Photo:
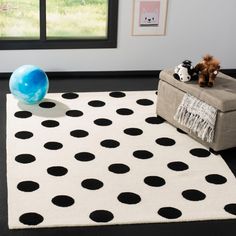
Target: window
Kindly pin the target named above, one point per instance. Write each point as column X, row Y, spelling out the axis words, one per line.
column 51, row 24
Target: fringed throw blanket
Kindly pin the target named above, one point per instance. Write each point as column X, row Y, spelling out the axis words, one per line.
column 198, row 116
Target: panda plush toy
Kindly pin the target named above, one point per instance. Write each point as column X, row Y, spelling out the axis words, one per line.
column 185, row 72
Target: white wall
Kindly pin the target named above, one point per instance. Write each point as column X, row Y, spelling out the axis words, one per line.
column 194, row 27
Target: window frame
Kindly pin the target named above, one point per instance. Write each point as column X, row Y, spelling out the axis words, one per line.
column 43, row 43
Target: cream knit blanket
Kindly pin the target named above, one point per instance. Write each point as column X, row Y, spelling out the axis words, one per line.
column 198, row 116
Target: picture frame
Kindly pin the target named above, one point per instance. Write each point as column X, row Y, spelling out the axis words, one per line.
column 149, row 17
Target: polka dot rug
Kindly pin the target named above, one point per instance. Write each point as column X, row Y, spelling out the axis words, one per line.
column 84, row 159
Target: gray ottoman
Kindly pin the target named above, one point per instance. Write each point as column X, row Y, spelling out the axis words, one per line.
column 222, row 96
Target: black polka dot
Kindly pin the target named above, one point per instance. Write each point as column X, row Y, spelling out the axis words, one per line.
column 24, row 135
column 142, row 154
column 96, row 103
column 63, row 201
column 92, row 184
column 25, row 158
column 101, row 216
column 23, row 114
column 200, row 152
column 79, row 133
column 119, row 168
column 31, row 218
column 84, row 156
column 154, row 181
column 50, row 123
column 181, row 131
column 53, row 145
column 70, row 95
column 133, row 131
column 110, row 143
column 124, row 111
column 47, row 104
column 57, row 170
column 102, row 122
column 117, row 94
column 74, row 113
column 231, row 208
column 165, row 141
column 28, row 186
column 193, row 195
column 144, row 102
column 215, row 179
column 177, row 166
column 155, row 120
column 169, row 212
column 129, row 198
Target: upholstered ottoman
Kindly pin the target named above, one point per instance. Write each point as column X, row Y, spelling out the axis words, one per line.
column 222, row 97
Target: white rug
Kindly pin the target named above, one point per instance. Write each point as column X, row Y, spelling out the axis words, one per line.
column 102, row 158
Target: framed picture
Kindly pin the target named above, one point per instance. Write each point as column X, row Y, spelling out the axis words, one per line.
column 149, row 17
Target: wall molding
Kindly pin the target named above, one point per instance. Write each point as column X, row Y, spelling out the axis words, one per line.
column 107, row 74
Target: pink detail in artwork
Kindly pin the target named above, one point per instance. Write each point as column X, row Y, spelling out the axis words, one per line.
column 149, row 13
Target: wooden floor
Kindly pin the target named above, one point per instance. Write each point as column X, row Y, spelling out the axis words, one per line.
column 227, row 227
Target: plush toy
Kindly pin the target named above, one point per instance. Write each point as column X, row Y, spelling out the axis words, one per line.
column 208, row 68
column 185, row 71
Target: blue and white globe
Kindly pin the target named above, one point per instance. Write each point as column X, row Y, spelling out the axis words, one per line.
column 29, row 84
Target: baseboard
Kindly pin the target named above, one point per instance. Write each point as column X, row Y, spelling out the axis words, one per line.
column 108, row 74
column 94, row 74
column 104, row 74
column 230, row 72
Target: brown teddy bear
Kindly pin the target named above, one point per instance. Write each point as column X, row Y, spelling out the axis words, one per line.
column 208, row 68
